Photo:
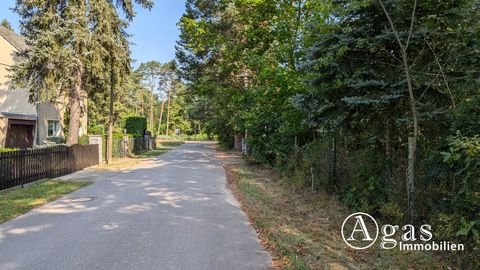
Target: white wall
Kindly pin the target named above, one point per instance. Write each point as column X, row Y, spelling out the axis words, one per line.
column 47, row 112
column 11, row 100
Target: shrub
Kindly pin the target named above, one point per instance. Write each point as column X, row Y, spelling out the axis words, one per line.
column 96, row 130
column 464, row 157
column 2, row 150
column 118, row 135
column 136, row 125
column 83, row 140
column 54, row 140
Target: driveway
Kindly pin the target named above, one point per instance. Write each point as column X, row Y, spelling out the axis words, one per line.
column 170, row 212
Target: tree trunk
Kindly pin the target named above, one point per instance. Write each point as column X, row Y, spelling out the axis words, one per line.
column 388, row 139
column 161, row 116
column 297, row 24
column 388, row 151
column 411, row 179
column 110, row 114
column 412, row 141
column 168, row 111
column 76, row 110
column 151, row 111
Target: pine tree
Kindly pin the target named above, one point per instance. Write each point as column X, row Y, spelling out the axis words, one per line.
column 150, row 72
column 74, row 46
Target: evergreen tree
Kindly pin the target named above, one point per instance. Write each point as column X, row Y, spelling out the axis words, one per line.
column 320, row 85
column 150, row 73
column 72, row 44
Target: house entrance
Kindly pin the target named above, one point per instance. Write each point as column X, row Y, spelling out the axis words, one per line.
column 20, row 134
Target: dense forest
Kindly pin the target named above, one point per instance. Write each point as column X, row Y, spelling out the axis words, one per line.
column 375, row 102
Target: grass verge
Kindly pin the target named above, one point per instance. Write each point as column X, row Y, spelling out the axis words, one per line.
column 16, row 202
column 301, row 229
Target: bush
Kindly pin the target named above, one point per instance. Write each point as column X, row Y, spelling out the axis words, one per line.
column 199, row 137
column 464, row 157
column 118, row 135
column 54, row 140
column 83, row 140
column 2, row 150
column 314, row 156
column 136, row 125
column 96, row 130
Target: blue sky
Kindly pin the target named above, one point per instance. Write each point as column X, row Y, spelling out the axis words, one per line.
column 154, row 32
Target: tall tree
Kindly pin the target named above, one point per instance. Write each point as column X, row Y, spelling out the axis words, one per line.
column 412, row 141
column 63, row 39
column 150, row 72
column 167, row 80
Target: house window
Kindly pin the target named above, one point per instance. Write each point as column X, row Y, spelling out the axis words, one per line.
column 53, row 128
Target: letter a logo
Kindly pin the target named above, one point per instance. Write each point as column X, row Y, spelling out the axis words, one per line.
column 363, row 229
column 363, row 224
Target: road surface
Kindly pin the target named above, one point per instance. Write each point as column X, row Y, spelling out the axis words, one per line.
column 170, row 212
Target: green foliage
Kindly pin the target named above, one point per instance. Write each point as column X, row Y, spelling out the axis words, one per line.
column 136, row 126
column 363, row 195
column 34, row 196
column 55, row 140
column 96, row 130
column 5, row 23
column 2, row 150
column 119, row 135
column 311, row 71
column 464, row 157
column 150, row 74
column 83, row 140
column 74, row 46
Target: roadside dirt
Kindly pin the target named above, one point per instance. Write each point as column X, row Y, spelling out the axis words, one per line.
column 301, row 229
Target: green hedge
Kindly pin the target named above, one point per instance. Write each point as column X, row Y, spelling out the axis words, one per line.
column 96, row 130
column 8, row 149
column 136, row 125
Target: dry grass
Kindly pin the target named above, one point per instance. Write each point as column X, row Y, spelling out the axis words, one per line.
column 119, row 164
column 302, row 229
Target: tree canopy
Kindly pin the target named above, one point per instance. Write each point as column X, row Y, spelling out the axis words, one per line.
column 75, row 48
column 297, row 79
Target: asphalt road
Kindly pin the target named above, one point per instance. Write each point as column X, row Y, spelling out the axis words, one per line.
column 172, row 212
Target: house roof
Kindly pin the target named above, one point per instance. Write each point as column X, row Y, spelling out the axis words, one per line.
column 20, row 116
column 13, row 38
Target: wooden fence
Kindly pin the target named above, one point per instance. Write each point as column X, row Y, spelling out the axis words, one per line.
column 25, row 166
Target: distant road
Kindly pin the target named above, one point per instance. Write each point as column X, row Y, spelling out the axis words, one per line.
column 172, row 212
